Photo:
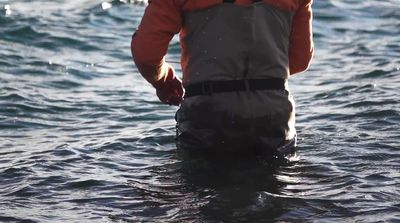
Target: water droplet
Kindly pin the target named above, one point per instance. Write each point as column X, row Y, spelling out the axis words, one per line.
column 7, row 9
column 106, row 5
column 50, row 62
column 137, row 2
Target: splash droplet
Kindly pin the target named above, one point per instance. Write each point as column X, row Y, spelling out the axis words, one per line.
column 136, row 2
column 106, row 5
column 7, row 9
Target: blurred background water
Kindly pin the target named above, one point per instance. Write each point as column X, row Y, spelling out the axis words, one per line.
column 83, row 137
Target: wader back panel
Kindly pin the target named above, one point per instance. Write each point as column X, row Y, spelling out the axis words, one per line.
column 230, row 42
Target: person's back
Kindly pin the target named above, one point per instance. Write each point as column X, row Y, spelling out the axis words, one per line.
column 236, row 59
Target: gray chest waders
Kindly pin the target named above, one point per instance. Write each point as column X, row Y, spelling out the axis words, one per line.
column 237, row 98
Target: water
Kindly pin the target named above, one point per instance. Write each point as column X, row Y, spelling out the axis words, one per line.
column 84, row 139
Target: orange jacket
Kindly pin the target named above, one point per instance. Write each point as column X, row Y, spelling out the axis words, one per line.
column 164, row 18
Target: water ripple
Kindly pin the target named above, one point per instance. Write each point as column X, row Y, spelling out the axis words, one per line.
column 84, row 139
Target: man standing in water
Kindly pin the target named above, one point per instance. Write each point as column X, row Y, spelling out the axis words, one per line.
column 236, row 59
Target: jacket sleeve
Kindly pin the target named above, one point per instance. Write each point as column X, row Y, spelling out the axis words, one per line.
column 301, row 47
column 161, row 21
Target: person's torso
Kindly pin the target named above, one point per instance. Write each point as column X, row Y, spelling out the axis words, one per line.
column 235, row 42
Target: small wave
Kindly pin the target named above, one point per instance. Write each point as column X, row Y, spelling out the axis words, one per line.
column 63, row 84
column 336, row 93
column 16, row 219
column 375, row 157
column 29, row 34
column 12, row 97
column 362, row 115
column 24, row 191
column 371, row 103
column 63, row 151
column 83, row 184
column 387, row 114
column 5, row 64
column 21, row 124
column 82, row 74
column 8, row 58
column 23, row 34
column 57, row 42
column 16, row 172
column 378, row 177
column 374, row 74
column 326, row 11
column 20, row 109
column 57, row 109
column 114, row 146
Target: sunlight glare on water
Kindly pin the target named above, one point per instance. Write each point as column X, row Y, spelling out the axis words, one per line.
column 106, row 5
column 7, row 9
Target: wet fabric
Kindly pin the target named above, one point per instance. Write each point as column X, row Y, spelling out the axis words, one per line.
column 239, row 122
column 231, row 42
column 226, row 43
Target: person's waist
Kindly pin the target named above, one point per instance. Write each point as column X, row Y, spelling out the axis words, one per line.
column 220, row 86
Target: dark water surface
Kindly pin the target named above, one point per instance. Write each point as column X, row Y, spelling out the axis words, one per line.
column 84, row 139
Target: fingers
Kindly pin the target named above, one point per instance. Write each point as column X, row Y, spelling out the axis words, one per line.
column 175, row 101
column 170, row 97
column 179, row 90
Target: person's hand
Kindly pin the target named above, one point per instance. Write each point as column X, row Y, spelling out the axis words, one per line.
column 169, row 88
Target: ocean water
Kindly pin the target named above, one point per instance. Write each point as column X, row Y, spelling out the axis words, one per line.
column 83, row 137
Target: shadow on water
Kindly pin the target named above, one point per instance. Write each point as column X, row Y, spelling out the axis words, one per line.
column 212, row 189
column 233, row 187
